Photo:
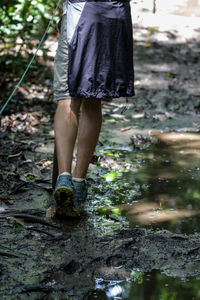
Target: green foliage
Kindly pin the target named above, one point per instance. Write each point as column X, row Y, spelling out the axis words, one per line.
column 31, row 177
column 22, row 24
column 19, row 228
column 24, row 19
column 137, row 276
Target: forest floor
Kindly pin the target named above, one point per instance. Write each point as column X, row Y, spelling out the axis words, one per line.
column 142, row 222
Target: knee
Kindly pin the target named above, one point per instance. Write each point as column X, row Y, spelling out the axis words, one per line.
column 69, row 105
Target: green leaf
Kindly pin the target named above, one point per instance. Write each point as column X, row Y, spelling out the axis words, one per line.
column 19, row 228
column 30, row 176
column 110, row 154
column 112, row 175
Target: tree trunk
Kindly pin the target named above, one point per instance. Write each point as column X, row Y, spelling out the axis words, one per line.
column 154, row 6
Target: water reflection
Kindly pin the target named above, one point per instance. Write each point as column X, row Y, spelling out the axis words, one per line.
column 151, row 213
column 112, row 289
column 150, row 286
column 164, row 191
column 173, row 178
column 161, row 190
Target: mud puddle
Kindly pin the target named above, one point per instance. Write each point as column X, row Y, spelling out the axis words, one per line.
column 158, row 190
column 150, row 286
column 160, row 186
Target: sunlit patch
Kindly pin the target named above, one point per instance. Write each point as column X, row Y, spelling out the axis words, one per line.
column 186, row 145
column 138, row 116
column 148, row 213
column 113, row 288
column 175, row 137
column 180, row 144
column 114, row 291
column 112, row 175
column 139, row 208
column 165, row 215
column 2, row 209
column 189, row 152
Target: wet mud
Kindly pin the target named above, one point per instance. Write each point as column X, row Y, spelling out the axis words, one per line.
column 142, row 220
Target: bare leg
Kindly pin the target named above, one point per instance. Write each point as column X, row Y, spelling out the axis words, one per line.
column 88, row 133
column 66, row 127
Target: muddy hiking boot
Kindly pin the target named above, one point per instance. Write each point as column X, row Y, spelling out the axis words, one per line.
column 64, row 196
column 80, row 193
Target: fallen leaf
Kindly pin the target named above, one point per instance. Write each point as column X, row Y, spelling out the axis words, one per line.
column 50, row 212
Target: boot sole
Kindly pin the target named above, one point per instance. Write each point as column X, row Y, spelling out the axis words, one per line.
column 65, row 203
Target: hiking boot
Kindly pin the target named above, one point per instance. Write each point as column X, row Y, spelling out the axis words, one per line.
column 80, row 193
column 64, row 196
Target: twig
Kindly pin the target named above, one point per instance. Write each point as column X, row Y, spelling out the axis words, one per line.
column 36, row 288
column 27, row 217
column 18, row 187
column 56, row 236
column 8, row 254
column 17, row 221
column 2, row 246
column 40, row 288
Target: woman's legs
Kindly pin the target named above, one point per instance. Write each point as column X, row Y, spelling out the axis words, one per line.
column 66, row 128
column 70, row 196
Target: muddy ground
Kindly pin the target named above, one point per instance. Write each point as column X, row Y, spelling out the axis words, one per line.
column 45, row 258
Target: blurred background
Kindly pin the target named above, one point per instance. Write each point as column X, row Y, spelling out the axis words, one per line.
column 22, row 23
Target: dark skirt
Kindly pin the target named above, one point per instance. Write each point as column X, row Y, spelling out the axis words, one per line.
column 101, row 51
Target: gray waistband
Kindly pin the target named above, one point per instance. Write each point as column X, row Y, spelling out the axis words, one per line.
column 76, row 1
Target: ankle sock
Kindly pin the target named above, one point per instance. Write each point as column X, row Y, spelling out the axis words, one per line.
column 65, row 173
column 78, row 179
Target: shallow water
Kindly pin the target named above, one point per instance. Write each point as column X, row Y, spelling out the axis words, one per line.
column 150, row 286
column 159, row 190
column 163, row 190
